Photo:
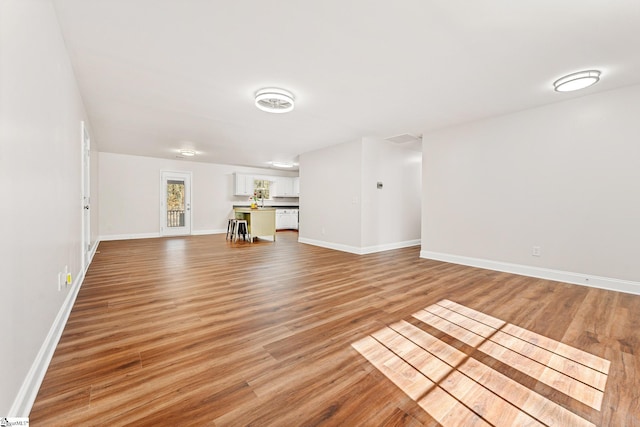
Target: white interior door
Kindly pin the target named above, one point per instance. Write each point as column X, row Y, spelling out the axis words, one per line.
column 86, row 196
column 175, row 206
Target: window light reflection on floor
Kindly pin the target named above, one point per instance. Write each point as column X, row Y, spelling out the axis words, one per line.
column 456, row 389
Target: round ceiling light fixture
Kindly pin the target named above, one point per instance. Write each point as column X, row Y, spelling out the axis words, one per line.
column 281, row 165
column 577, row 81
column 274, row 100
column 188, row 153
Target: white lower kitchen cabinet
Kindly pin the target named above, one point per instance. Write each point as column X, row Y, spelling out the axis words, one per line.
column 287, row 219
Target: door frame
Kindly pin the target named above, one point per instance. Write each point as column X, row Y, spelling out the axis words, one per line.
column 188, row 217
column 85, row 205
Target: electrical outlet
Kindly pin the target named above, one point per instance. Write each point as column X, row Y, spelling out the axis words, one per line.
column 536, row 251
column 68, row 279
column 59, row 281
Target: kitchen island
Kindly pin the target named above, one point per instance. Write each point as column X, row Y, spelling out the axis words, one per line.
column 261, row 222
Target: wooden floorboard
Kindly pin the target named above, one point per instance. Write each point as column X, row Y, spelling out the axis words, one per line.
column 201, row 331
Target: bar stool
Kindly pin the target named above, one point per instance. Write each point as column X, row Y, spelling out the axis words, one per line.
column 241, row 228
column 231, row 228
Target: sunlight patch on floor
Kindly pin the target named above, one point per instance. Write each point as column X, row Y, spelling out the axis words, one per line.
column 456, row 389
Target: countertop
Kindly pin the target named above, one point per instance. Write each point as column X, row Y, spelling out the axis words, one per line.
column 249, row 209
column 269, row 206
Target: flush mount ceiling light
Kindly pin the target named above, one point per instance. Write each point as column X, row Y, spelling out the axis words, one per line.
column 281, row 165
column 404, row 138
column 576, row 81
column 274, row 100
column 188, row 153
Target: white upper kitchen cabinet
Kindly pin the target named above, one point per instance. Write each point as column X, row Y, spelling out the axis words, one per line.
column 296, row 186
column 283, row 187
column 243, row 185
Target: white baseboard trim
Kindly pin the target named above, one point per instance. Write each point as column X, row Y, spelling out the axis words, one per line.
column 390, row 246
column 608, row 283
column 204, row 232
column 356, row 250
column 329, row 245
column 92, row 253
column 156, row 235
column 129, row 236
column 23, row 402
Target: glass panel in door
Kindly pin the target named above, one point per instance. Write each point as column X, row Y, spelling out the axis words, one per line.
column 175, row 203
column 175, row 214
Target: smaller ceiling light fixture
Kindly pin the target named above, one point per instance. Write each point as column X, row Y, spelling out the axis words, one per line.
column 577, row 81
column 188, row 153
column 274, row 100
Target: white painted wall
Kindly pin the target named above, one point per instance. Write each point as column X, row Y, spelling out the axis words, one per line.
column 40, row 168
column 392, row 214
column 341, row 207
column 564, row 177
column 330, row 187
column 130, row 194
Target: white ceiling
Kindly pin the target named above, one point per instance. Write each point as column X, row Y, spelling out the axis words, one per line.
column 160, row 75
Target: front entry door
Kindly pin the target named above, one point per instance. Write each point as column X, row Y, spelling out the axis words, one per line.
column 175, row 207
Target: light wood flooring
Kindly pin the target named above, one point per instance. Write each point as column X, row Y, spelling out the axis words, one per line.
column 201, row 331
